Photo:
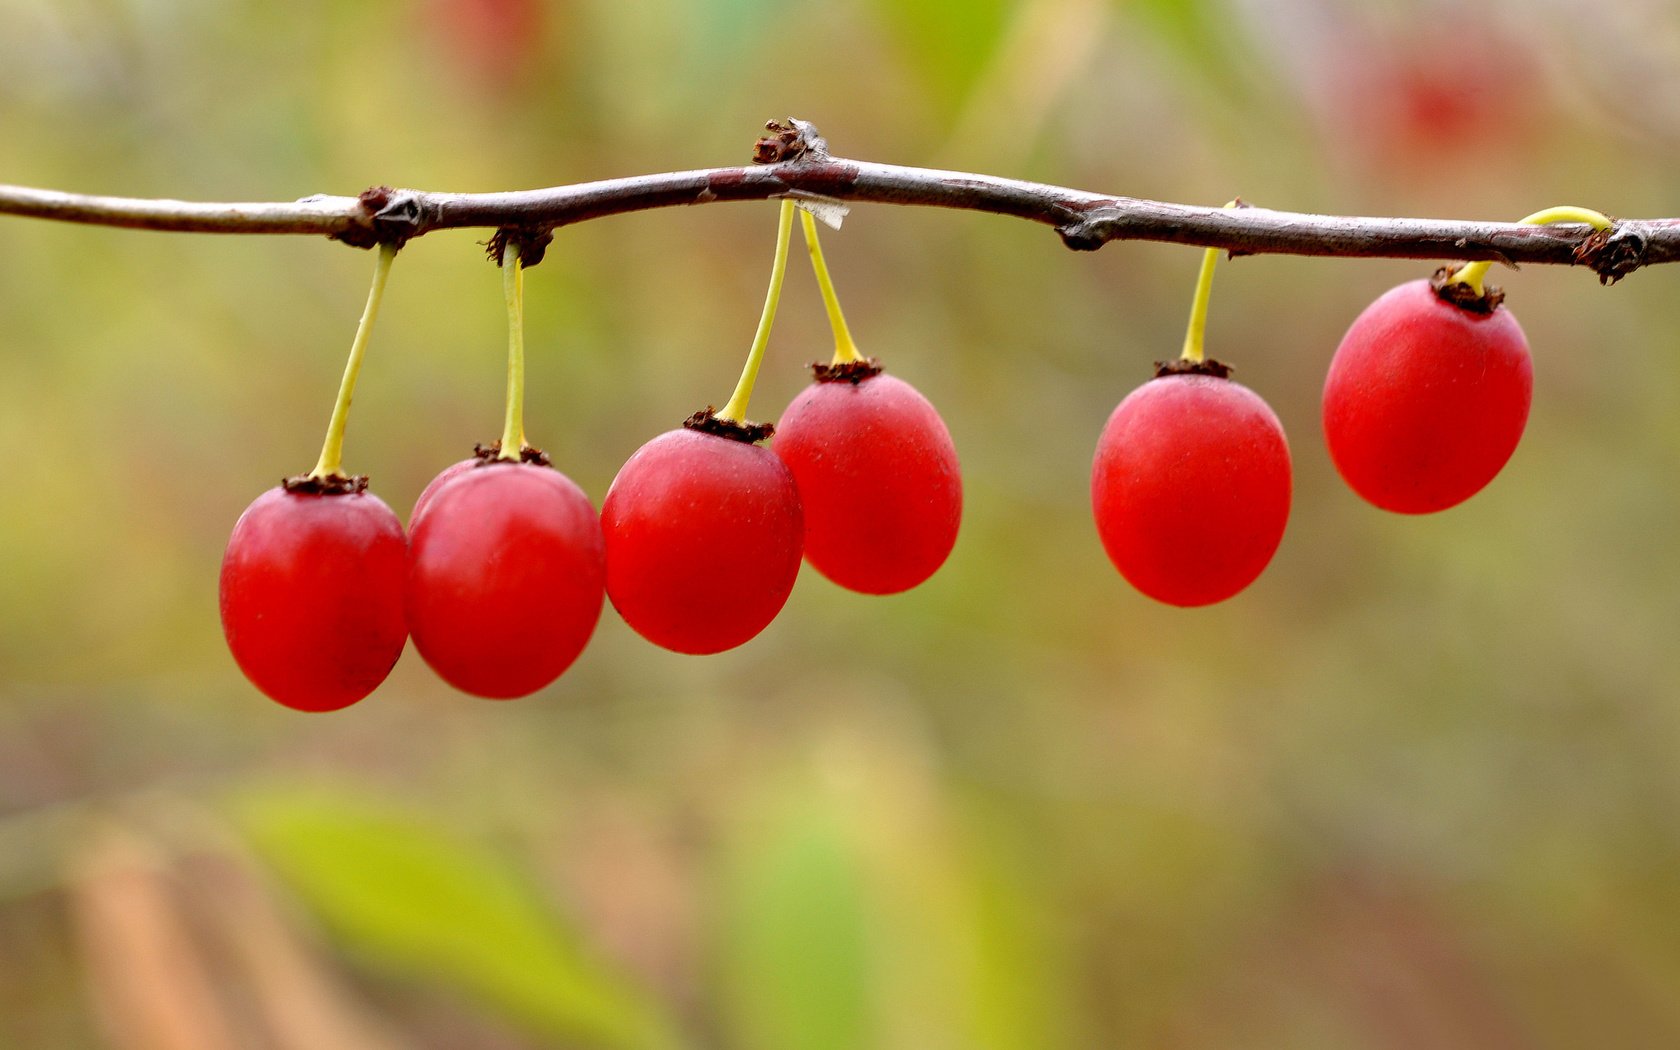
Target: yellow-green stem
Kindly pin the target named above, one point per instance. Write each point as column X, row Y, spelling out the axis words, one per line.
column 1194, row 334
column 331, row 463
column 1474, row 274
column 736, row 410
column 513, row 293
column 845, row 349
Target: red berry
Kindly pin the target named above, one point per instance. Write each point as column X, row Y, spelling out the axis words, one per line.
column 505, row 577
column 1426, row 400
column 878, row 481
column 1191, row 488
column 703, row 540
column 445, row 476
column 311, row 596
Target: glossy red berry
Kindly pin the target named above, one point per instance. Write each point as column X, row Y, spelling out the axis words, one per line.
column 878, row 480
column 444, row 477
column 505, row 577
column 1426, row 400
column 311, row 596
column 703, row 538
column 1191, row 488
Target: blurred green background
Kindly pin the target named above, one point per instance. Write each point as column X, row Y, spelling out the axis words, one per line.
column 1415, row 788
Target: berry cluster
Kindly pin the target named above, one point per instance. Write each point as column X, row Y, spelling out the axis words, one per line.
column 503, row 572
column 505, row 566
column 1425, row 401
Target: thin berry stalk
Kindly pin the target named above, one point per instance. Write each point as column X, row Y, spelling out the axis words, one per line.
column 513, row 294
column 331, row 463
column 736, row 409
column 845, row 349
column 1475, row 273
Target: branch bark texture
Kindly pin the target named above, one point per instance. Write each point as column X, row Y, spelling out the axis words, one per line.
column 798, row 164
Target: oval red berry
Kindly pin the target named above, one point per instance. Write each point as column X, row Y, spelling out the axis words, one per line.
column 505, row 578
column 1191, row 488
column 444, row 477
column 878, row 482
column 703, row 538
column 1426, row 400
column 311, row 596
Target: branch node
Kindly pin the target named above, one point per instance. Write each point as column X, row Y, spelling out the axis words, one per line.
column 1085, row 235
column 1237, row 253
column 1613, row 253
column 387, row 216
column 795, row 140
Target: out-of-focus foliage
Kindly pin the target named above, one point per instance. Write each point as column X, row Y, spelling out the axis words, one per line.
column 1416, row 787
column 410, row 900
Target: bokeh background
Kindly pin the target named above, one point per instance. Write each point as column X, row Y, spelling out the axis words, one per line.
column 1416, row 787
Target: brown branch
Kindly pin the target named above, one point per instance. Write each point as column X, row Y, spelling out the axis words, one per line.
column 799, row 165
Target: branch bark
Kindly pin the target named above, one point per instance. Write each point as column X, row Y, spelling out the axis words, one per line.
column 799, row 166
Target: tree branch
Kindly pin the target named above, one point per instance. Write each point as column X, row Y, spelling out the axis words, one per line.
column 799, row 165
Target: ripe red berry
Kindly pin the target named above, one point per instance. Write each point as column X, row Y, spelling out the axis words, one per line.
column 311, row 596
column 1191, row 488
column 878, row 479
column 444, row 477
column 1426, row 400
column 703, row 540
column 505, row 577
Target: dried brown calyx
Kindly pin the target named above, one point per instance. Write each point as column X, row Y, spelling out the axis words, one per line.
column 1183, row 367
column 853, row 372
column 492, row 453
column 331, row 485
column 532, row 243
column 1462, row 295
column 707, row 422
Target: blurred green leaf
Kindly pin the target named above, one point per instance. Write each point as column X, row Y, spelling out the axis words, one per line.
column 962, row 949
column 797, row 940
column 419, row 903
